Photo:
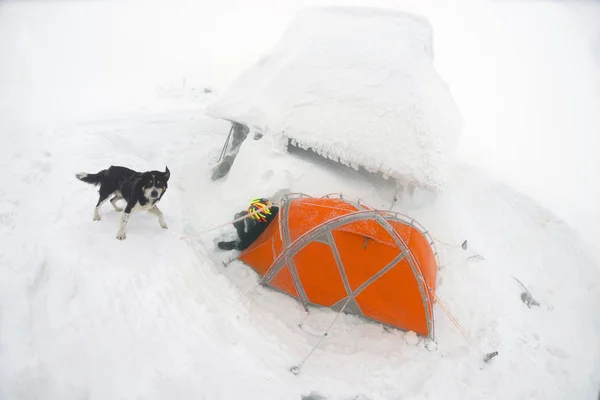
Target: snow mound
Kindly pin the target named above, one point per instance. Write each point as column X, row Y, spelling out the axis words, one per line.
column 357, row 86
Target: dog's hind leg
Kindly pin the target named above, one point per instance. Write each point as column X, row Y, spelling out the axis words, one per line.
column 161, row 218
column 101, row 200
column 114, row 200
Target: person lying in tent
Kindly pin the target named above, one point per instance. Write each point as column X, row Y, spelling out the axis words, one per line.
column 262, row 212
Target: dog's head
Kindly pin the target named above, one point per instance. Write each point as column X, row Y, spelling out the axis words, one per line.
column 154, row 184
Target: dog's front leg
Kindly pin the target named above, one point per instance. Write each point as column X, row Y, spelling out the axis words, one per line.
column 161, row 218
column 121, row 235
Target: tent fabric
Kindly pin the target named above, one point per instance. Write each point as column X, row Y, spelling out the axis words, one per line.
column 346, row 255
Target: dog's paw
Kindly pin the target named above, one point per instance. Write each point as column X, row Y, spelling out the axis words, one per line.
column 118, row 209
column 164, row 225
column 121, row 236
column 96, row 218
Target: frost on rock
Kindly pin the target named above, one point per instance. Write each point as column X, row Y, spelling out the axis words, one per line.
column 237, row 135
column 357, row 86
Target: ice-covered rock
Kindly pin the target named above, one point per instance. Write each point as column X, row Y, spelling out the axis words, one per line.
column 357, row 86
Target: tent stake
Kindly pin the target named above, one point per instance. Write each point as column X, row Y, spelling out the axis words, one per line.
column 489, row 356
column 394, row 200
column 296, row 368
column 226, row 264
column 486, row 357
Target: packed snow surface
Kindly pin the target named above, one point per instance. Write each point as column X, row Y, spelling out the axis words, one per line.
column 357, row 86
column 87, row 316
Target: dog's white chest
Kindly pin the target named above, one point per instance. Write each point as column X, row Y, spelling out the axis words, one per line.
column 138, row 207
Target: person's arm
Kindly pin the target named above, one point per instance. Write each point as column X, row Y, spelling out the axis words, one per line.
column 240, row 226
column 249, row 237
column 254, row 232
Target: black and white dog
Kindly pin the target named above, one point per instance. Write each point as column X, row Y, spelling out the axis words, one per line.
column 141, row 191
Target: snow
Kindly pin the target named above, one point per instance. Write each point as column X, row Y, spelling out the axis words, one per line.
column 158, row 316
column 83, row 315
column 411, row 338
column 337, row 84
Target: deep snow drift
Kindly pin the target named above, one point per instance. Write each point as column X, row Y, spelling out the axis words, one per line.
column 357, row 86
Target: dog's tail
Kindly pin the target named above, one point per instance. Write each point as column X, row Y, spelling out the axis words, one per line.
column 93, row 179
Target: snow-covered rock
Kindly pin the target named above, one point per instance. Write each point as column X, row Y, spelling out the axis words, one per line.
column 357, row 86
column 411, row 338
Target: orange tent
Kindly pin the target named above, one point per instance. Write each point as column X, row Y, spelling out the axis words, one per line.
column 348, row 256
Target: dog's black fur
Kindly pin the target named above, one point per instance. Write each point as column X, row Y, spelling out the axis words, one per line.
column 141, row 191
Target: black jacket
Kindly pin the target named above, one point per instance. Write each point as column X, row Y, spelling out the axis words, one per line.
column 249, row 230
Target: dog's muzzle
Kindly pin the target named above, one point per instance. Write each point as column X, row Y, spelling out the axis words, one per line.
column 154, row 193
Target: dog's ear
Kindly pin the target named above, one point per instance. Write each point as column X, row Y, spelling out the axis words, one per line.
column 167, row 173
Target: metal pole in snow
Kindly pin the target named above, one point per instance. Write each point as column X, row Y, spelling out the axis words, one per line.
column 296, row 368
